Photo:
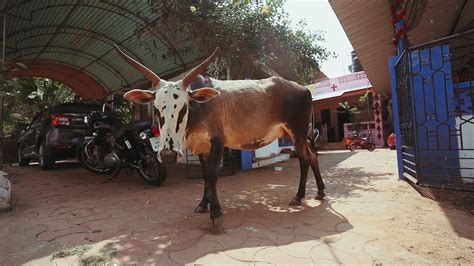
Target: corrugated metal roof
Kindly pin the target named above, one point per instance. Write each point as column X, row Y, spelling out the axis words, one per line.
column 438, row 20
column 368, row 25
column 80, row 34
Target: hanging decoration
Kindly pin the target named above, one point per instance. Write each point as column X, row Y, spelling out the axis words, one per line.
column 399, row 13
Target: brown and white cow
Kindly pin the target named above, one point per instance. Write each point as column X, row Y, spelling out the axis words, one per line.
column 238, row 114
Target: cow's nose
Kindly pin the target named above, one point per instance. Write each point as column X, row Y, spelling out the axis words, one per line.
column 168, row 156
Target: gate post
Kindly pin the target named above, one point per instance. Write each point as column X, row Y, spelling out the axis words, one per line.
column 396, row 119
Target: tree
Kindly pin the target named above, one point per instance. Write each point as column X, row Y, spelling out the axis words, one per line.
column 25, row 97
column 253, row 36
column 365, row 102
column 352, row 111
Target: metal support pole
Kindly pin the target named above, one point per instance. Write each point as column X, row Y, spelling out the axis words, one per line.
column 4, row 41
column 2, row 92
column 396, row 117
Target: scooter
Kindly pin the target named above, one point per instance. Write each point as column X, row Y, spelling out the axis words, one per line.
column 363, row 142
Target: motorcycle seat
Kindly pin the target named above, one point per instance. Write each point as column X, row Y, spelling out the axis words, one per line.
column 138, row 125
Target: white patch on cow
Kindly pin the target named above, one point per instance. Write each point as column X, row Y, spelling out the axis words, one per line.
column 170, row 99
column 237, row 84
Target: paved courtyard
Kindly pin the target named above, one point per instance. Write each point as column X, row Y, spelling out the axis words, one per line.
column 67, row 216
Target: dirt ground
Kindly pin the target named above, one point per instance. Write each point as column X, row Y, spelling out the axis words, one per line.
column 67, row 216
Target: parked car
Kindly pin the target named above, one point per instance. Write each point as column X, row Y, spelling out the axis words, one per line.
column 54, row 134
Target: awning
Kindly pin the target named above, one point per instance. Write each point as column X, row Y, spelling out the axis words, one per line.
column 368, row 25
column 339, row 86
column 356, row 91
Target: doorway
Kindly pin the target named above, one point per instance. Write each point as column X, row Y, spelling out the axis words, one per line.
column 342, row 117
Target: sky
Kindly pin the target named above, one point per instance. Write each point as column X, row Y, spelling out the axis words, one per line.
column 319, row 15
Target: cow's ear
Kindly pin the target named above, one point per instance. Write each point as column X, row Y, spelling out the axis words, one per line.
column 140, row 96
column 203, row 95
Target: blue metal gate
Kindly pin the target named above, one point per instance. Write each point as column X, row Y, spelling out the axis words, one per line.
column 435, row 95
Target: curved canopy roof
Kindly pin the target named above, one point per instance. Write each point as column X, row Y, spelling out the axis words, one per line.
column 72, row 41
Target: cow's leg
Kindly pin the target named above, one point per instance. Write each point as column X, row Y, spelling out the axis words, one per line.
column 307, row 155
column 304, row 167
column 302, row 152
column 202, row 207
column 215, row 157
column 317, row 174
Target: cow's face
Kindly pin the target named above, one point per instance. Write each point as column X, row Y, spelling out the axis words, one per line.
column 171, row 102
column 171, row 106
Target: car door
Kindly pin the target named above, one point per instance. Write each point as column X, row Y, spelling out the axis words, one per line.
column 30, row 136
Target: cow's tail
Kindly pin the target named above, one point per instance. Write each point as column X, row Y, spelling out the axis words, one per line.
column 311, row 136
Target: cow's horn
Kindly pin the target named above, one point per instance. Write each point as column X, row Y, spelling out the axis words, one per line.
column 199, row 69
column 143, row 69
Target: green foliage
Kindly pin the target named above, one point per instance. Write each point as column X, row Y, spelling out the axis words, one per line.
column 120, row 106
column 366, row 100
column 252, row 36
column 352, row 111
column 25, row 97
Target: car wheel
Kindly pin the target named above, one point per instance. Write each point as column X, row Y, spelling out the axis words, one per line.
column 22, row 161
column 45, row 161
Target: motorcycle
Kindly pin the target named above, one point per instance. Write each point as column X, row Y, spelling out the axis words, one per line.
column 363, row 142
column 314, row 135
column 317, row 140
column 115, row 145
column 348, row 141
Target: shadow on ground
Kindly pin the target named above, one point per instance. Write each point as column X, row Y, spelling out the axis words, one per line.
column 136, row 223
column 451, row 201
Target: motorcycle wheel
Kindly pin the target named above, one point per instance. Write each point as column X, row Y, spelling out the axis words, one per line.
column 151, row 170
column 90, row 163
column 352, row 147
column 371, row 147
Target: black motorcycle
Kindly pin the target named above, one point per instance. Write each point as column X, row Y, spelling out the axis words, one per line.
column 115, row 145
column 314, row 135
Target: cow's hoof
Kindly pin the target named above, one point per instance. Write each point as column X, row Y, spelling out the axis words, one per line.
column 320, row 196
column 200, row 209
column 217, row 224
column 295, row 202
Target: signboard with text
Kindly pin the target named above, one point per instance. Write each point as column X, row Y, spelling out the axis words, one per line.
column 338, row 86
